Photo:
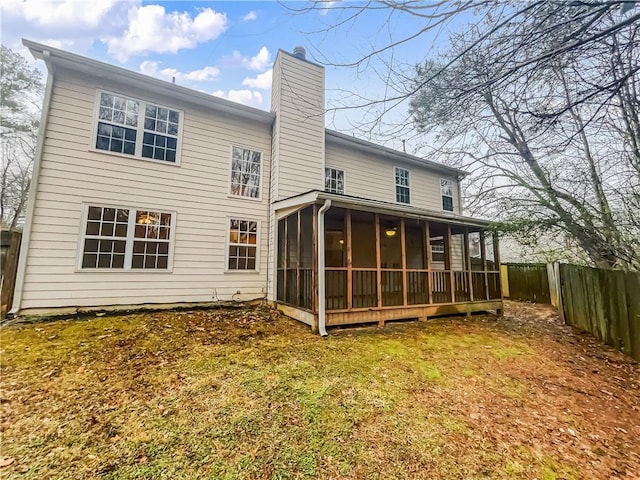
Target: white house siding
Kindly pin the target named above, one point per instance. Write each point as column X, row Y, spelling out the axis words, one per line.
column 298, row 134
column 197, row 191
column 373, row 177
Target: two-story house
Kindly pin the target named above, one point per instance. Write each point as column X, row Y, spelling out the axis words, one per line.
column 147, row 193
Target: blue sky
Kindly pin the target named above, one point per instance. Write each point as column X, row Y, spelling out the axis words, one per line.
column 223, row 48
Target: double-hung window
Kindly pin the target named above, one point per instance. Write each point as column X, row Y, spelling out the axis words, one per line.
column 246, row 172
column 126, row 239
column 243, row 245
column 334, row 180
column 402, row 185
column 137, row 128
column 446, row 190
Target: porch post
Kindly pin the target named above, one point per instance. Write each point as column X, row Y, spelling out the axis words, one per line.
column 448, row 263
column 315, row 264
column 496, row 257
column 347, row 219
column 285, row 258
column 483, row 256
column 427, row 234
column 299, row 260
column 404, row 262
column 378, row 262
column 467, row 262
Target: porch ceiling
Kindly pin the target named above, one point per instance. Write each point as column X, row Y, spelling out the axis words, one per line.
column 377, row 206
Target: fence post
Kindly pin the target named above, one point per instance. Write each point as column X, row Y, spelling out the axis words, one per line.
column 504, row 280
column 558, row 282
column 9, row 273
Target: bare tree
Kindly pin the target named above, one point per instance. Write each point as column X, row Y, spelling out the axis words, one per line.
column 545, row 160
column 560, row 25
column 20, row 102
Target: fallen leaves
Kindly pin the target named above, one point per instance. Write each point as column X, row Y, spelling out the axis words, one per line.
column 247, row 393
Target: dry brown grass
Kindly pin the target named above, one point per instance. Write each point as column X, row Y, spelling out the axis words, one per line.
column 235, row 394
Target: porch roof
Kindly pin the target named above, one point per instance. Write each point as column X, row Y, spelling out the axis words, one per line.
column 377, row 206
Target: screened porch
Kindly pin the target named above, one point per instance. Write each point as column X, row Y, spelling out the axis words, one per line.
column 383, row 266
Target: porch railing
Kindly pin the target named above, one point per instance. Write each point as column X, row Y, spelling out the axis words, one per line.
column 424, row 287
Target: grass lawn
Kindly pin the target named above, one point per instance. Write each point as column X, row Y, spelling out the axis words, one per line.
column 249, row 394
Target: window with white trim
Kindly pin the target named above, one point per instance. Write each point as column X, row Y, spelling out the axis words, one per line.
column 243, row 244
column 437, row 251
column 126, row 239
column 334, row 180
column 446, row 190
column 246, row 172
column 141, row 129
column 402, row 185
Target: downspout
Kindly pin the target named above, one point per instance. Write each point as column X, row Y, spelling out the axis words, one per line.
column 35, row 176
column 459, row 181
column 322, row 330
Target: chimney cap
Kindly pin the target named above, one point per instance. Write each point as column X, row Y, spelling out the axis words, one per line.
column 300, row 52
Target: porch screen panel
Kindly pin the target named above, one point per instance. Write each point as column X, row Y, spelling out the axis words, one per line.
column 391, row 261
column 335, row 238
column 363, row 240
column 335, row 259
column 390, row 243
column 363, row 255
column 291, row 275
column 415, row 247
column 305, row 276
column 462, row 287
column 282, row 242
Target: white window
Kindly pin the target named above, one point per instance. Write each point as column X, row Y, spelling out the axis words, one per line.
column 334, row 180
column 126, row 239
column 402, row 185
column 141, row 129
column 437, row 251
column 243, row 245
column 446, row 190
column 246, row 172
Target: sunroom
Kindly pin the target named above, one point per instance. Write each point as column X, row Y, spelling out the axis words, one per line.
column 347, row 260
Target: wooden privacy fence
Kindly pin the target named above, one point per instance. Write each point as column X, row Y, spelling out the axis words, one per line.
column 603, row 302
column 10, row 250
column 528, row 282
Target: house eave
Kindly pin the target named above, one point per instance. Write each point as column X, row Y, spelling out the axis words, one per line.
column 365, row 204
column 60, row 58
column 372, row 148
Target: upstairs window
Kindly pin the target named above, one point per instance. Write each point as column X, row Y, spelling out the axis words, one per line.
column 141, row 129
column 402, row 185
column 334, row 180
column 126, row 239
column 446, row 190
column 246, row 172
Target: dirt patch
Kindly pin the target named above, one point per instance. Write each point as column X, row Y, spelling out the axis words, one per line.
column 250, row 394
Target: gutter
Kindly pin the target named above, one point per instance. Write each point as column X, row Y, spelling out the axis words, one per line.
column 322, row 329
column 33, row 188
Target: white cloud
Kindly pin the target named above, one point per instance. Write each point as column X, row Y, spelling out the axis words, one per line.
column 262, row 80
column 246, row 97
column 249, row 16
column 60, row 14
column 205, row 74
column 70, row 24
column 259, row 62
column 152, row 29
